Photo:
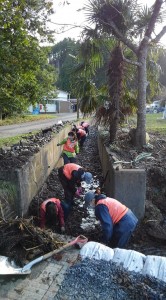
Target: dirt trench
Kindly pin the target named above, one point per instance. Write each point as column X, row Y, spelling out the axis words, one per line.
column 150, row 235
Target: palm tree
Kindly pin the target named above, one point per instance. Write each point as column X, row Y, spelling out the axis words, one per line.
column 126, row 21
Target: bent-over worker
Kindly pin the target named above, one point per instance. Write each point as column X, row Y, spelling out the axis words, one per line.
column 85, row 126
column 117, row 221
column 81, row 135
column 52, row 214
column 70, row 176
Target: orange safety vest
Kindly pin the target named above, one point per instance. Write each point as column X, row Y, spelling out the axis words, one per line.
column 116, row 209
column 54, row 200
column 85, row 124
column 82, row 132
column 69, row 168
column 80, row 127
column 69, row 146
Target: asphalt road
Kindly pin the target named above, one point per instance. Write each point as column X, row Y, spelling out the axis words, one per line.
column 16, row 129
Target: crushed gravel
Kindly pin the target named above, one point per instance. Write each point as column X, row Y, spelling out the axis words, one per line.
column 93, row 279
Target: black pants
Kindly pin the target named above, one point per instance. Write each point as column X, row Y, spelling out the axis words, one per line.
column 69, row 191
column 87, row 130
column 82, row 140
column 68, row 160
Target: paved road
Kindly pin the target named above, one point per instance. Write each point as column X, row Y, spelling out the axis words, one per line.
column 13, row 130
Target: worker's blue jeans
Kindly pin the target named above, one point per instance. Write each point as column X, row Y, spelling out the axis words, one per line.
column 122, row 231
column 66, row 209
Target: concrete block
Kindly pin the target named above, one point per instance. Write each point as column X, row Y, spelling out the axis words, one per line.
column 26, row 181
column 126, row 185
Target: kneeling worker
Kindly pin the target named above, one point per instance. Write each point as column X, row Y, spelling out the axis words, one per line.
column 52, row 214
column 117, row 221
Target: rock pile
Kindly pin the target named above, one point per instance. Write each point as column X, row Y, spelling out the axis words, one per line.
column 93, row 279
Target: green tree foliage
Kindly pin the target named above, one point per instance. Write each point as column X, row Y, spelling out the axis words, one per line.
column 25, row 73
column 64, row 59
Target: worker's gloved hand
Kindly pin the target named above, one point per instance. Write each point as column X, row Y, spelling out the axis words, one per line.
column 78, row 192
column 63, row 229
column 58, row 144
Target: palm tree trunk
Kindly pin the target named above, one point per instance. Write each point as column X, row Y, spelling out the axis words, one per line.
column 114, row 121
column 115, row 74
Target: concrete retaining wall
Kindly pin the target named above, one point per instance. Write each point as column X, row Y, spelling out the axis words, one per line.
column 126, row 185
column 24, row 183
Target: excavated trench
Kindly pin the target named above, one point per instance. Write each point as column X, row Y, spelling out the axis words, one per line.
column 95, row 279
column 149, row 237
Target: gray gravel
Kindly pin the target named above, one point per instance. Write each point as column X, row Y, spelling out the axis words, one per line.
column 93, row 279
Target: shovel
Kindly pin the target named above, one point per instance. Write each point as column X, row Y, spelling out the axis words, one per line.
column 9, row 267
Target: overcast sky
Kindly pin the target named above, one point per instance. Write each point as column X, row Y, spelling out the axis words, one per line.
column 69, row 14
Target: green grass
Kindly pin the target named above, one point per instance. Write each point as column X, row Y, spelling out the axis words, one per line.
column 26, row 118
column 9, row 141
column 155, row 123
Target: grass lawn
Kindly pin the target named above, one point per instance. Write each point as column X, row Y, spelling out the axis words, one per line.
column 155, row 123
column 26, row 118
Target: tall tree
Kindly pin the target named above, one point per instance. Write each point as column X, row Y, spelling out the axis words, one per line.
column 24, row 70
column 63, row 58
column 126, row 21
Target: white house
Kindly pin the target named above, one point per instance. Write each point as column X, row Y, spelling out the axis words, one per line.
column 56, row 105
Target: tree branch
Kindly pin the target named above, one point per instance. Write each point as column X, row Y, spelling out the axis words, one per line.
column 120, row 36
column 135, row 63
column 159, row 36
column 151, row 24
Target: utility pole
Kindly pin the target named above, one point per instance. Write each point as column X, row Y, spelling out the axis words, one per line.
column 78, row 115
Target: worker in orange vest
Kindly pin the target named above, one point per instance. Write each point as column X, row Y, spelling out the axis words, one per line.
column 70, row 148
column 52, row 214
column 117, row 221
column 85, row 126
column 81, row 135
column 71, row 175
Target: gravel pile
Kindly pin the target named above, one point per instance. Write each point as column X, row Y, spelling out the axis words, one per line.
column 93, row 279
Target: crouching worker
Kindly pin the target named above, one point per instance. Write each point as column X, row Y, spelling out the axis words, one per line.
column 52, row 214
column 85, row 126
column 70, row 148
column 70, row 176
column 81, row 135
column 117, row 221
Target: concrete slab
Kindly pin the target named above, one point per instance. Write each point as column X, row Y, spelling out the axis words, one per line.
column 43, row 282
